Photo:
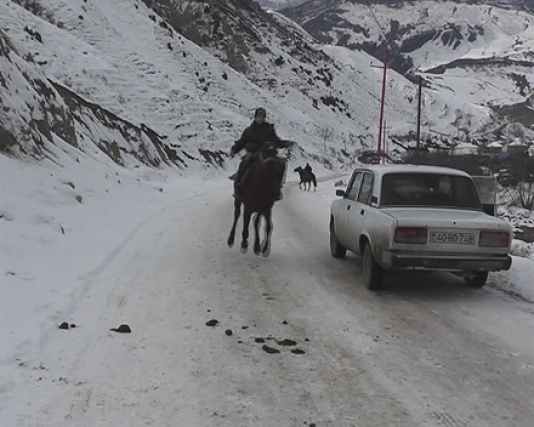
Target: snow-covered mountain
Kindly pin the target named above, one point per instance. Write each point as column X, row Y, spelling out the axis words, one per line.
column 279, row 4
column 479, row 51
column 185, row 77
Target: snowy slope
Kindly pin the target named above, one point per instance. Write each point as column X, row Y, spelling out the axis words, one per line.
column 279, row 4
column 120, row 59
column 277, row 53
column 439, row 102
column 125, row 58
column 38, row 114
column 478, row 52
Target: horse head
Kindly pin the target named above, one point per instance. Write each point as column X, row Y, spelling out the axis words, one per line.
column 268, row 151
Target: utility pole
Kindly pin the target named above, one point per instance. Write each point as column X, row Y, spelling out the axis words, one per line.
column 382, row 102
column 419, row 114
column 386, row 147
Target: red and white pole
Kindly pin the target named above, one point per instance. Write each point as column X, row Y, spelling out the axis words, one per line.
column 379, row 152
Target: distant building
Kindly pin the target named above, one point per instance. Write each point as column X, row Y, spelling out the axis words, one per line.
column 517, row 148
column 494, row 147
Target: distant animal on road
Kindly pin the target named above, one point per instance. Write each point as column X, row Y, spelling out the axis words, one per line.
column 306, row 178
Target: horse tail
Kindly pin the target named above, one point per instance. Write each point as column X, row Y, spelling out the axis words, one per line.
column 314, row 179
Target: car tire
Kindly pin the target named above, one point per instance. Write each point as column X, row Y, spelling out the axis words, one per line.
column 373, row 274
column 336, row 249
column 478, row 280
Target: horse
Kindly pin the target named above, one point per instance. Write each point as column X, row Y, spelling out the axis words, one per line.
column 257, row 198
column 306, row 178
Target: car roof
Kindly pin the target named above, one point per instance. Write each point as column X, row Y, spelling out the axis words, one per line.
column 382, row 170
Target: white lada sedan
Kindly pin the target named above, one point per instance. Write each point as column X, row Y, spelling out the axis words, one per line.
column 418, row 218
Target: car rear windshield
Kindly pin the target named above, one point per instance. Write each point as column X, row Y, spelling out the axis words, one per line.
column 424, row 189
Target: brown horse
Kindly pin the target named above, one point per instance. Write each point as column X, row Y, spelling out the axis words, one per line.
column 257, row 198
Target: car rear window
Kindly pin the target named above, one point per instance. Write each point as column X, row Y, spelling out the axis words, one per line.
column 423, row 189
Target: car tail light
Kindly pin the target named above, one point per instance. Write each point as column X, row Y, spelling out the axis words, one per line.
column 494, row 238
column 411, row 235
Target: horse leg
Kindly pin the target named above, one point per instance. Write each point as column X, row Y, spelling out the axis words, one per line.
column 237, row 213
column 246, row 223
column 266, row 249
column 257, row 221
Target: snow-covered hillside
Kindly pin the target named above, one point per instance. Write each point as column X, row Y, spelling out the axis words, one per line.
column 275, row 52
column 477, row 52
column 124, row 57
column 39, row 116
column 279, row 4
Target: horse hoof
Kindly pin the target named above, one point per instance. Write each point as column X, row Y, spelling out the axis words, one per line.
column 230, row 244
column 265, row 253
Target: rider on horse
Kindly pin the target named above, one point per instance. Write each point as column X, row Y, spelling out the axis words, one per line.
column 252, row 140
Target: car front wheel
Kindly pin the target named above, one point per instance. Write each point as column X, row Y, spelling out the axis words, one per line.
column 478, row 280
column 373, row 274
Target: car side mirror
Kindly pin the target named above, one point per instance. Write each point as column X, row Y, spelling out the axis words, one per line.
column 341, row 193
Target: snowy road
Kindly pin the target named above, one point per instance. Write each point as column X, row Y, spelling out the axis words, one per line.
column 424, row 352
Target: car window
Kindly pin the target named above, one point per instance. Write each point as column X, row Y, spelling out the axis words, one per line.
column 352, row 193
column 422, row 189
column 367, row 186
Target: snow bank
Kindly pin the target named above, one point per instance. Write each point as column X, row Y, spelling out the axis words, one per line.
column 523, row 249
column 519, row 218
column 518, row 281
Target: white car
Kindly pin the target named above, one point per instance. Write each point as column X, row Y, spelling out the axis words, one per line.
column 417, row 218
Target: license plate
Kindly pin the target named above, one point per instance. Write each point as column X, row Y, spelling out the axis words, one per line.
column 452, row 238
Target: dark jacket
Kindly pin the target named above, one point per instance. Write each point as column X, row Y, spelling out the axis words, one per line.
column 308, row 168
column 255, row 136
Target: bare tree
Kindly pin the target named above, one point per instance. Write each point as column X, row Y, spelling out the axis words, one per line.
column 521, row 177
column 522, row 195
column 326, row 133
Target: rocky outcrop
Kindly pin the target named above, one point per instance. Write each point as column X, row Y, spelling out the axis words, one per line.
column 36, row 113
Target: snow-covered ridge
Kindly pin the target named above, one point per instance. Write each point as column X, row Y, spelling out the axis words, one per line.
column 477, row 52
column 279, row 4
column 197, row 93
column 430, row 33
column 277, row 53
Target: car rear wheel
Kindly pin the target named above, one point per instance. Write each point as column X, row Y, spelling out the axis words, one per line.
column 373, row 274
column 336, row 249
column 478, row 280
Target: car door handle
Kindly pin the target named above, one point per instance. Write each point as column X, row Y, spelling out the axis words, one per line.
column 362, row 212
